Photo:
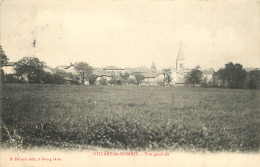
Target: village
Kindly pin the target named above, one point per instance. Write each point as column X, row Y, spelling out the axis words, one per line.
column 151, row 76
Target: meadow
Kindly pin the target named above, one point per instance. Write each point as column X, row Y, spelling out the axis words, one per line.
column 130, row 117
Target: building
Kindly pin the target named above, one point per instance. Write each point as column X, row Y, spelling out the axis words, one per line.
column 208, row 75
column 67, row 68
column 114, row 69
column 179, row 72
column 103, row 74
column 152, row 78
column 9, row 68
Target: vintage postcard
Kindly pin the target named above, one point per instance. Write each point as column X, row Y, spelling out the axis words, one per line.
column 130, row 83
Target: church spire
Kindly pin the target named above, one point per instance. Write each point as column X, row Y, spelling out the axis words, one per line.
column 180, row 54
column 180, row 60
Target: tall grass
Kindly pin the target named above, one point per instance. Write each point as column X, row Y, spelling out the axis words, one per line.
column 134, row 117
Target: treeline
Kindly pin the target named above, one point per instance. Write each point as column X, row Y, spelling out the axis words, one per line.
column 33, row 71
column 232, row 76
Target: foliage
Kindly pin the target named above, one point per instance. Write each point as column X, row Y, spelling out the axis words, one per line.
column 161, row 83
column 62, row 77
column 92, row 79
column 131, row 81
column 10, row 78
column 194, row 77
column 253, row 79
column 124, row 76
column 139, row 78
column 2, row 75
column 48, row 78
column 55, row 78
column 115, row 80
column 84, row 71
column 103, row 81
column 204, row 82
column 3, row 57
column 232, row 76
column 3, row 60
column 31, row 68
column 167, row 76
column 58, row 79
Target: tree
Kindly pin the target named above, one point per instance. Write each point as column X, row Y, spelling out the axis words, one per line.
column 115, row 80
column 153, row 67
column 167, row 76
column 30, row 68
column 131, row 81
column 139, row 78
column 194, row 77
column 233, row 75
column 253, row 79
column 204, row 82
column 3, row 60
column 103, row 81
column 84, row 71
column 92, row 79
column 3, row 57
column 125, row 76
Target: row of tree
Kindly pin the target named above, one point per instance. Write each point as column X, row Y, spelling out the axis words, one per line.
column 231, row 76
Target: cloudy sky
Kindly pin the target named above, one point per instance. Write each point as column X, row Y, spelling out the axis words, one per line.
column 132, row 33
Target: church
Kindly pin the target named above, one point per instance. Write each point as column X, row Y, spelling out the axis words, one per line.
column 179, row 72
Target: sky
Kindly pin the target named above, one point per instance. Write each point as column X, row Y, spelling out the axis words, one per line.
column 132, row 33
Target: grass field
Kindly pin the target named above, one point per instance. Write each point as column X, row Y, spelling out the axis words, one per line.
column 130, row 117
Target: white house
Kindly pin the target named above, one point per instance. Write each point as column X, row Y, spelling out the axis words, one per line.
column 9, row 68
column 153, row 77
column 68, row 69
column 208, row 74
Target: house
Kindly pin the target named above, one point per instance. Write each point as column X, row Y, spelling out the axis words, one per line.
column 141, row 70
column 9, row 68
column 150, row 78
column 114, row 69
column 68, row 69
column 153, row 77
column 208, row 74
column 69, row 73
column 103, row 74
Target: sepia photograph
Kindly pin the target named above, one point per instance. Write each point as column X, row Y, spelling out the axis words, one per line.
column 129, row 83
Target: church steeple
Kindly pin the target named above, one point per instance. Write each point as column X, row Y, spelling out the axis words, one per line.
column 180, row 54
column 180, row 60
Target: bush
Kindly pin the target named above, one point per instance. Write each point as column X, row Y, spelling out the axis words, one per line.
column 160, row 83
column 48, row 78
column 131, row 81
column 92, row 79
column 103, row 81
column 10, row 78
column 253, row 79
column 53, row 79
column 204, row 83
column 139, row 78
column 119, row 82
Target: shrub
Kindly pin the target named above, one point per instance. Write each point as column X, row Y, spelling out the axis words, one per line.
column 92, row 79
column 103, row 81
column 131, row 81
column 160, row 83
column 10, row 78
